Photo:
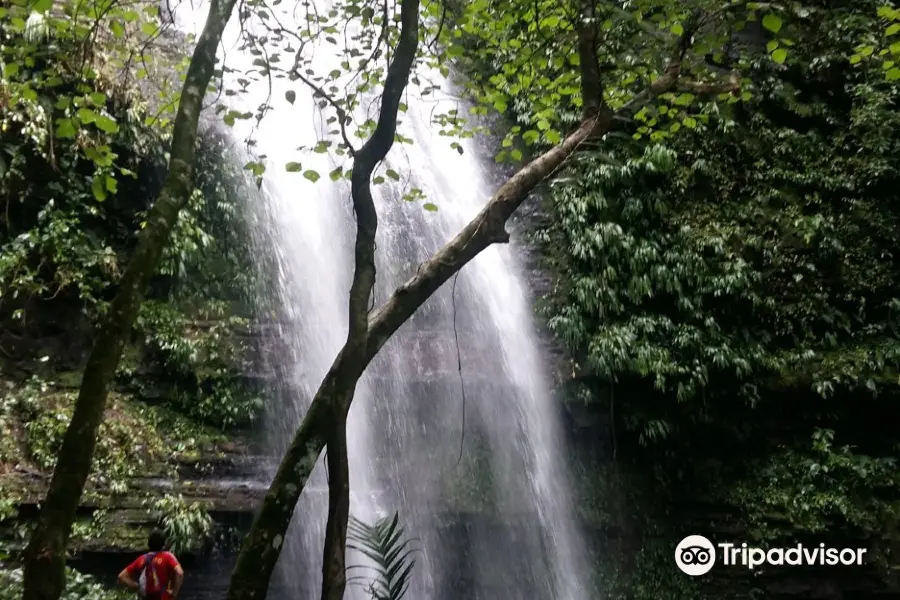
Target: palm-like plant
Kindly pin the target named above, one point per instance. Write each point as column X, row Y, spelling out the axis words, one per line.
column 384, row 544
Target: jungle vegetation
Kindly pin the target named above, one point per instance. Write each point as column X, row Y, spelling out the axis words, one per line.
column 718, row 180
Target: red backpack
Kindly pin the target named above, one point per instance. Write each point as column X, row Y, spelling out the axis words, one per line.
column 150, row 585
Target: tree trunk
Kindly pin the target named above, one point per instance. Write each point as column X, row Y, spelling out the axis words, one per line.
column 334, row 569
column 258, row 557
column 261, row 548
column 45, row 556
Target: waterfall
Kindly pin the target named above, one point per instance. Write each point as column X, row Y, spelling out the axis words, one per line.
column 494, row 521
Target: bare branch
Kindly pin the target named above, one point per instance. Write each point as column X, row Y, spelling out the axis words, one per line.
column 319, row 92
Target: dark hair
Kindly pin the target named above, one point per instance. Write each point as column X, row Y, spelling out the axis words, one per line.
column 156, row 541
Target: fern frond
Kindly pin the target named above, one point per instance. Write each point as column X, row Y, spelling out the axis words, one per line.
column 391, row 554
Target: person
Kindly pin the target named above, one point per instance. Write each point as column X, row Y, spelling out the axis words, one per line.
column 156, row 575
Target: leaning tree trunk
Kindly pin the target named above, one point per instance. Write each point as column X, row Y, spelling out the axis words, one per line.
column 45, row 555
column 261, row 548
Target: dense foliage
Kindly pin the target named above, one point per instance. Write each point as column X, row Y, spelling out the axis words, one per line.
column 734, row 293
column 83, row 152
column 187, row 525
column 88, row 91
column 78, row 587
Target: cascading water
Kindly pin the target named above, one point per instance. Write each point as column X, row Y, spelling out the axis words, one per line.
column 492, row 462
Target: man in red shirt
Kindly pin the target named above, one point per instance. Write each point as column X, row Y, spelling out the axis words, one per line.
column 156, row 575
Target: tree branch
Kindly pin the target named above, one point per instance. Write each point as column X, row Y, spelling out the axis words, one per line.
column 591, row 82
column 341, row 113
column 670, row 79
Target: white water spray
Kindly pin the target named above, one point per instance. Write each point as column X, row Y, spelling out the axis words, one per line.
column 510, row 485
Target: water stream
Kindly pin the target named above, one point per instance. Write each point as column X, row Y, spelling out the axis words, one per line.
column 483, row 487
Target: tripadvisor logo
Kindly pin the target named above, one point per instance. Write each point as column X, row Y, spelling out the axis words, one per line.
column 696, row 555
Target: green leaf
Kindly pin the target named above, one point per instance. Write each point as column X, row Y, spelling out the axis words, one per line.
column 42, row 6
column 98, row 189
column 106, row 124
column 552, row 136
column 550, row 22
column 515, row 154
column 543, row 125
column 677, row 28
column 392, row 174
column 10, row 70
column 112, row 185
column 454, row 51
column 65, row 129
column 772, row 45
column 98, row 99
column 779, row 56
column 149, row 29
column 892, row 74
column 311, row 175
column 689, row 122
column 772, row 23
column 231, row 115
column 531, row 136
column 336, row 174
column 257, row 168
column 430, row 207
column 86, row 115
column 290, row 96
column 293, row 167
column 893, row 29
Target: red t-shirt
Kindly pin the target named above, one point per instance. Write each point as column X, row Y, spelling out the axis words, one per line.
column 163, row 564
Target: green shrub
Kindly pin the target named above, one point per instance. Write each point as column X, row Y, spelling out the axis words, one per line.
column 78, row 587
